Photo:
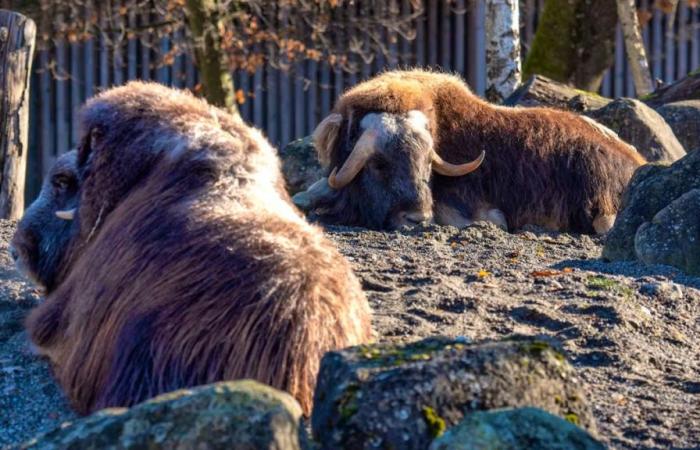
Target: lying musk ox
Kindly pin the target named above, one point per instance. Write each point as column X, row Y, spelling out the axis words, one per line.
column 172, row 257
column 408, row 146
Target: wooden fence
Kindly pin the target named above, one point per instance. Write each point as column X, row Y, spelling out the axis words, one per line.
column 288, row 104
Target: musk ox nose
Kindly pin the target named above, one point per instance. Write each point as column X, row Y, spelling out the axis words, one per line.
column 413, row 217
column 14, row 254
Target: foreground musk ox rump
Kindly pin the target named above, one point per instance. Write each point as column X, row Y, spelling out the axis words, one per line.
column 408, row 146
column 172, row 257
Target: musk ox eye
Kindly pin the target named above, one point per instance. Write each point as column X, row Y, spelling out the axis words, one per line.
column 61, row 182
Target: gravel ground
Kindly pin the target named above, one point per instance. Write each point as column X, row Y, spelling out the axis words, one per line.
column 630, row 330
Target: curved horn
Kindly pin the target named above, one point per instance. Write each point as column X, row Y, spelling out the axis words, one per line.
column 66, row 214
column 456, row 170
column 363, row 150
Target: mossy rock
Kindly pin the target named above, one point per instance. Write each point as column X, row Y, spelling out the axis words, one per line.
column 673, row 235
column 641, row 126
column 684, row 119
column 391, row 397
column 228, row 415
column 300, row 165
column 652, row 188
column 511, row 429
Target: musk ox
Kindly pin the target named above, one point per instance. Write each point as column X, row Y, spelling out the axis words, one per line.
column 408, row 146
column 172, row 257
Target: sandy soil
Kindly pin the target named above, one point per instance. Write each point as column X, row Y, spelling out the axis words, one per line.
column 631, row 330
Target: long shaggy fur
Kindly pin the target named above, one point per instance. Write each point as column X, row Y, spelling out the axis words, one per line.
column 188, row 263
column 543, row 166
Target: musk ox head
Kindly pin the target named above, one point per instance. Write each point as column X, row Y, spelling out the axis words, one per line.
column 42, row 236
column 384, row 179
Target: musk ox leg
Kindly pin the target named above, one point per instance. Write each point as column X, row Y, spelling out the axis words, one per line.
column 449, row 215
column 494, row 216
column 603, row 223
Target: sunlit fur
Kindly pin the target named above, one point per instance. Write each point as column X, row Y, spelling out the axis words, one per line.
column 543, row 166
column 187, row 263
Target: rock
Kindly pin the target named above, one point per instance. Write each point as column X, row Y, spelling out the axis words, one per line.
column 673, row 235
column 521, row 428
column 300, row 165
column 388, row 396
column 229, row 415
column 687, row 88
column 684, row 119
column 651, row 189
column 639, row 125
column 542, row 91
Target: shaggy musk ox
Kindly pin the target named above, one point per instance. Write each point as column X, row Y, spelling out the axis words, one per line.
column 408, row 146
column 173, row 257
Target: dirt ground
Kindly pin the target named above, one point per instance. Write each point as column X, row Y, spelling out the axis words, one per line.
column 632, row 331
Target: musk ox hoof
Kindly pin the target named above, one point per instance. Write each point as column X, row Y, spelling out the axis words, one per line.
column 515, row 428
column 229, row 415
column 308, row 199
column 388, row 396
column 603, row 223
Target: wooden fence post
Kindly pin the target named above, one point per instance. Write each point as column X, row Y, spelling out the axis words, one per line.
column 17, row 36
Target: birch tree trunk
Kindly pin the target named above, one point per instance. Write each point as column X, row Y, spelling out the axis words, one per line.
column 204, row 25
column 17, row 36
column 636, row 53
column 503, row 72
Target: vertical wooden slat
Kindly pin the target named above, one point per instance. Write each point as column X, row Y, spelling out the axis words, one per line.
column 34, row 168
column 446, row 35
column 132, row 62
column 460, row 36
column 682, row 41
column 366, row 63
column 476, row 66
column 146, row 39
column 657, row 44
column 606, row 88
column 670, row 54
column 338, row 75
column 190, row 72
column 393, row 13
column 354, row 62
column 272, row 99
column 405, row 57
column 380, row 58
column 48, row 152
column 258, row 95
column 89, row 54
column 163, row 70
column 299, row 101
column 244, row 86
column 285, row 82
column 420, row 38
column 104, row 50
column 62, row 103
column 618, row 84
column 311, row 96
column 695, row 40
column 76, row 81
column 118, row 44
column 433, row 33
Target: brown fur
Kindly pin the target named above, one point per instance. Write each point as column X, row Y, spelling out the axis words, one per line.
column 543, row 166
column 188, row 264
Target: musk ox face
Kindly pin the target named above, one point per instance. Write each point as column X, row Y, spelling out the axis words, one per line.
column 43, row 234
column 387, row 173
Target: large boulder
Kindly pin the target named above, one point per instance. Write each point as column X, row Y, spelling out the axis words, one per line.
column 642, row 127
column 672, row 237
column 300, row 165
column 522, row 428
column 543, row 91
column 389, row 396
column 684, row 119
column 652, row 188
column 229, row 415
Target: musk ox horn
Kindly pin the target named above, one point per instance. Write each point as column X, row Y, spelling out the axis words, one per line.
column 66, row 214
column 363, row 150
column 456, row 170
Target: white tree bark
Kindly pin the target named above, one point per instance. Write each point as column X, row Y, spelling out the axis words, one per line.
column 636, row 53
column 503, row 66
column 17, row 35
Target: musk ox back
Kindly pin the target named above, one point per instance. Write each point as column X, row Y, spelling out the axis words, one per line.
column 410, row 145
column 186, row 262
